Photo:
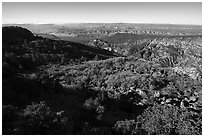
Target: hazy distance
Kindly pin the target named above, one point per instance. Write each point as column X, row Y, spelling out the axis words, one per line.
column 107, row 12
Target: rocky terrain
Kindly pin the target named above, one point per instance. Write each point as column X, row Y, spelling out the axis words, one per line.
column 110, row 83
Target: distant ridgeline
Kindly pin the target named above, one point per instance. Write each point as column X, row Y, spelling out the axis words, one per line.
column 125, row 37
column 20, row 45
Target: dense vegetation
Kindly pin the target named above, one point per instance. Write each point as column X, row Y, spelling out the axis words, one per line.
column 61, row 87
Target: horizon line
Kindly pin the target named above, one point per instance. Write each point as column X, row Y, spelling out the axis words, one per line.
column 103, row 23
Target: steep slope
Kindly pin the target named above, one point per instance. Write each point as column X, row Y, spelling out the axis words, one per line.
column 30, row 51
column 13, row 34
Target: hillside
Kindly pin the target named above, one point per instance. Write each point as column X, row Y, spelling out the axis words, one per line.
column 33, row 51
column 120, row 84
column 13, row 33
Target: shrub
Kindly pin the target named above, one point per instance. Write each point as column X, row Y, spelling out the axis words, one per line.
column 125, row 127
column 39, row 119
column 168, row 120
column 91, row 104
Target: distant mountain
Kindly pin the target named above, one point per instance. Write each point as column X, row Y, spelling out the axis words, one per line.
column 120, row 38
column 124, row 37
column 113, row 32
column 49, row 36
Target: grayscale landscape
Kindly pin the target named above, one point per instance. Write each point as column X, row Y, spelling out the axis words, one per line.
column 104, row 74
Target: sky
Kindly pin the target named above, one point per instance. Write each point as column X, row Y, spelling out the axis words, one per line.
column 119, row 12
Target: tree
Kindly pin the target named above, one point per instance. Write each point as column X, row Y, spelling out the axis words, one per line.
column 96, row 58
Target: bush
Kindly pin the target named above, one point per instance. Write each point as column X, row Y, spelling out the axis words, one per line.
column 125, row 127
column 39, row 119
column 168, row 120
column 91, row 104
